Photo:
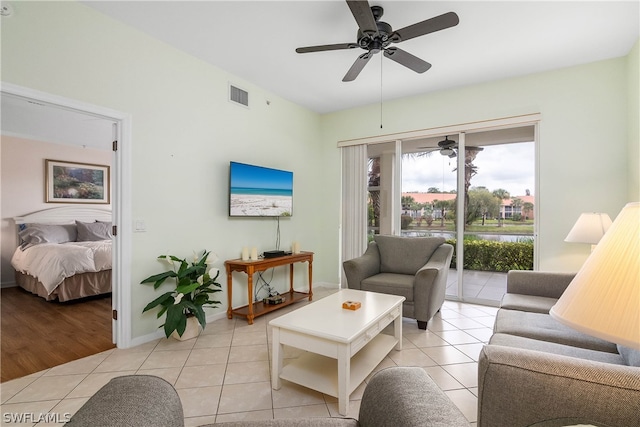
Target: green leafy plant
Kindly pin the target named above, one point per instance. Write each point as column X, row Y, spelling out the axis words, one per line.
column 194, row 286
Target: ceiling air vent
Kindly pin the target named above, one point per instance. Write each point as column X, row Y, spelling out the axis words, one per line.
column 238, row 95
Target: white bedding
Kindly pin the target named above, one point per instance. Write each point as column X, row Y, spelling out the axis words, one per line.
column 51, row 263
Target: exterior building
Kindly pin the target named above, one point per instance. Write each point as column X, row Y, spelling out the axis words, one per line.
column 507, row 209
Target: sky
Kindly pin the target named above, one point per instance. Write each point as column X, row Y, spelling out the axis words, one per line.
column 251, row 176
column 508, row 166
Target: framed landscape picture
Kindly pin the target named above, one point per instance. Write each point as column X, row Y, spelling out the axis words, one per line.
column 70, row 182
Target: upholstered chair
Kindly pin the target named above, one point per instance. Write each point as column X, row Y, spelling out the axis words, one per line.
column 413, row 267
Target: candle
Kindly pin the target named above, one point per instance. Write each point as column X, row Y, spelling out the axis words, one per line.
column 254, row 254
column 295, row 247
column 245, row 253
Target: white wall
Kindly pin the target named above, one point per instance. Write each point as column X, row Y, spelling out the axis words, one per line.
column 184, row 133
column 22, row 177
column 583, row 149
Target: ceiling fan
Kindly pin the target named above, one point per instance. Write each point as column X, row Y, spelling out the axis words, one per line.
column 447, row 146
column 375, row 36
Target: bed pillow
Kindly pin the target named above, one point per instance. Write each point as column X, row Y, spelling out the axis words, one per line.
column 35, row 234
column 93, row 231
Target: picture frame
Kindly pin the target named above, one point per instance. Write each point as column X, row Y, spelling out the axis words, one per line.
column 72, row 182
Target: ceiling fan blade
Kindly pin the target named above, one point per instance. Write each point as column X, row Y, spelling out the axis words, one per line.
column 408, row 60
column 324, row 47
column 447, row 20
column 364, row 17
column 357, row 66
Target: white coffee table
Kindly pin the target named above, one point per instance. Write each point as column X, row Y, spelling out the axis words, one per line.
column 343, row 346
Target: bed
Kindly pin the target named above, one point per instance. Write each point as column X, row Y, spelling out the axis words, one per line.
column 64, row 253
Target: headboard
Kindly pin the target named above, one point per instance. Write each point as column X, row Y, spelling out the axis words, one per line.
column 63, row 215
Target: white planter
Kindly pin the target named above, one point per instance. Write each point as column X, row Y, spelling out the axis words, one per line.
column 191, row 331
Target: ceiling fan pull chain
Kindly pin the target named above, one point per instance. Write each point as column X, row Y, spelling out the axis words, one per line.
column 380, row 91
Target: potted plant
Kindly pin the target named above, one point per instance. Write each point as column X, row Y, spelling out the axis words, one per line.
column 194, row 286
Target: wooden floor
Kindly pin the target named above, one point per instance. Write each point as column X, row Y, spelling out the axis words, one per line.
column 36, row 334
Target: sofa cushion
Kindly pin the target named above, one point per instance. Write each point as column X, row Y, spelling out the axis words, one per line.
column 405, row 255
column 631, row 357
column 555, row 348
column 390, row 283
column 542, row 327
column 534, row 304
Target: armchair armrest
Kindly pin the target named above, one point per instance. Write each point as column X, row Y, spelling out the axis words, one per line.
column 441, row 258
column 408, row 397
column 358, row 269
column 538, row 283
column 518, row 387
column 131, row 400
column 430, row 283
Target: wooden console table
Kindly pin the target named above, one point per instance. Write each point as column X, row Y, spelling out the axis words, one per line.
column 255, row 309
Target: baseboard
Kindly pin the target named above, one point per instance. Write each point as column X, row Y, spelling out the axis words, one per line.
column 160, row 332
column 326, row 285
column 8, row 285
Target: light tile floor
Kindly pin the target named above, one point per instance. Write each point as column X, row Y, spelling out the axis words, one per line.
column 224, row 374
column 487, row 286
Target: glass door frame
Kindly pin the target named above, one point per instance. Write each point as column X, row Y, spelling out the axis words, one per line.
column 461, row 130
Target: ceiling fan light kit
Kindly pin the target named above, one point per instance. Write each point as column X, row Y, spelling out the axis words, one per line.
column 375, row 36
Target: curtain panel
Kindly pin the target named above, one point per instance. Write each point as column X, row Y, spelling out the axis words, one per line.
column 354, row 203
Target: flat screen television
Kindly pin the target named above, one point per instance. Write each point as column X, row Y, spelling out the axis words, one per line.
column 257, row 191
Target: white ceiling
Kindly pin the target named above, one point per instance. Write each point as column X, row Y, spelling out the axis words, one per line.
column 31, row 119
column 256, row 41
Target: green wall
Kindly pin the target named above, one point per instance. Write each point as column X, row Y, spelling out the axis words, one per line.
column 185, row 132
column 584, row 145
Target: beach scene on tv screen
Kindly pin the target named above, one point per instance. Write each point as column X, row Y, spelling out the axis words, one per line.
column 259, row 191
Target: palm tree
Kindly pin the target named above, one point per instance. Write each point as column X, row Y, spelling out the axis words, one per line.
column 470, row 170
column 517, row 203
column 441, row 205
column 374, row 196
column 527, row 207
column 501, row 194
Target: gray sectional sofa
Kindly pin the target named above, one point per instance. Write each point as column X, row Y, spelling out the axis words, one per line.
column 536, row 370
column 399, row 396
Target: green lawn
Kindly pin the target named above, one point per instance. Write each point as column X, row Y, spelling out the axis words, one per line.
column 490, row 227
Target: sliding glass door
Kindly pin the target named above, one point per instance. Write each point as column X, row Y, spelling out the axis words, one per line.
column 476, row 189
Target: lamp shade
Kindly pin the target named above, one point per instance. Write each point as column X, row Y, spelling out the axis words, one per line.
column 603, row 299
column 589, row 228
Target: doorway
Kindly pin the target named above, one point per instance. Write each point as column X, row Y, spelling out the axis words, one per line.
column 121, row 195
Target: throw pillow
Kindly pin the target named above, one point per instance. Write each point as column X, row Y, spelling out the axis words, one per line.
column 93, row 231
column 405, row 255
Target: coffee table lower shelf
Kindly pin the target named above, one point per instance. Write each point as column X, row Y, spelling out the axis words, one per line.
column 320, row 373
column 260, row 308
